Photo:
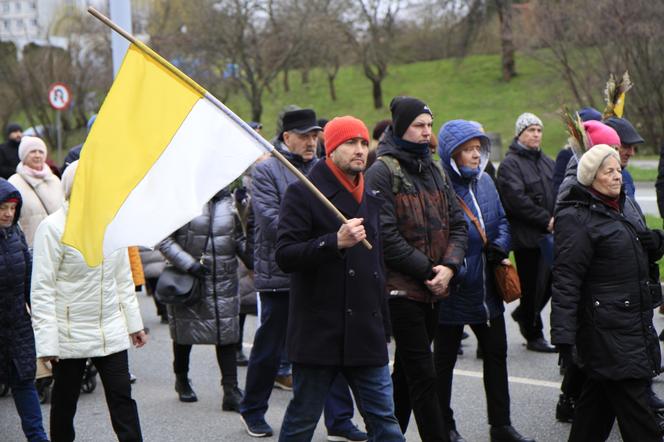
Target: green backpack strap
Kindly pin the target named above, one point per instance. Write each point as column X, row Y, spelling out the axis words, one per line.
column 400, row 182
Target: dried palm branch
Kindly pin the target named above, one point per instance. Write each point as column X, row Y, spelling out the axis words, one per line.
column 614, row 95
column 578, row 139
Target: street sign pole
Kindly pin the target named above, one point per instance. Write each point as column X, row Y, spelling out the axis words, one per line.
column 58, row 132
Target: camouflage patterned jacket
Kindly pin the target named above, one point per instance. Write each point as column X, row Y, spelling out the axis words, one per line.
column 421, row 222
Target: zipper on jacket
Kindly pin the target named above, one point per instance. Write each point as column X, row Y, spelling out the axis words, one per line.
column 68, row 322
column 101, row 309
column 484, row 262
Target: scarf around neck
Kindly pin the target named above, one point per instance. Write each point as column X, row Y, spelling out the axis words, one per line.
column 356, row 189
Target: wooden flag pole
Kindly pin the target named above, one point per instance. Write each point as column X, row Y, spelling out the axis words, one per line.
column 221, row 106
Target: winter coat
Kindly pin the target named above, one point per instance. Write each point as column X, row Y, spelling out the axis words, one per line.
column 628, row 184
column 562, row 159
column 153, row 262
column 422, row 224
column 41, row 197
column 601, row 297
column 525, row 185
column 269, row 182
column 215, row 239
column 136, row 266
column 338, row 312
column 17, row 340
column 8, row 158
column 473, row 298
column 631, row 209
column 80, row 311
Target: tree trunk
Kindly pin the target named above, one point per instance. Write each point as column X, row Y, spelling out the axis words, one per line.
column 333, row 89
column 305, row 76
column 286, row 84
column 256, row 108
column 377, row 92
column 506, row 39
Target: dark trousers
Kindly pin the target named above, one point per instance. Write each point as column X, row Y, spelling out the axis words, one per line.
column 150, row 288
column 243, row 319
column 114, row 373
column 535, row 292
column 601, row 402
column 225, row 359
column 311, row 385
column 265, row 359
column 27, row 405
column 493, row 341
column 413, row 327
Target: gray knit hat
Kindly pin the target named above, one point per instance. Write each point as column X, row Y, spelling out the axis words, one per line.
column 524, row 121
column 592, row 160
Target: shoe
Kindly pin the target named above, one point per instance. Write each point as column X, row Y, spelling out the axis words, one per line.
column 163, row 320
column 241, row 359
column 522, row 327
column 232, row 398
column 132, row 378
column 507, row 433
column 284, row 382
column 565, row 409
column 464, row 335
column 655, row 402
column 540, row 345
column 460, row 350
column 351, row 433
column 456, row 437
column 257, row 427
column 661, row 335
column 183, row 388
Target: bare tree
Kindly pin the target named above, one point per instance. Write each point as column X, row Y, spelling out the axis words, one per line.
column 504, row 9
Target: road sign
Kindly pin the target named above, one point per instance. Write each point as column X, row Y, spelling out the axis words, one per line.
column 59, row 96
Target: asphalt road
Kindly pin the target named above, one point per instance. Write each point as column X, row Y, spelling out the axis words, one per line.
column 534, row 389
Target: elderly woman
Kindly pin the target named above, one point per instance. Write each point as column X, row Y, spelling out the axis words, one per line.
column 40, row 188
column 17, row 341
column 603, row 300
column 208, row 247
column 464, row 152
column 81, row 312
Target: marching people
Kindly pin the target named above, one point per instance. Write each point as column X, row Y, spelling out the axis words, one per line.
column 464, row 152
column 524, row 181
column 344, row 326
column 424, row 239
column 81, row 312
column 297, row 142
column 17, row 340
column 40, row 189
column 207, row 247
column 9, row 150
column 603, row 301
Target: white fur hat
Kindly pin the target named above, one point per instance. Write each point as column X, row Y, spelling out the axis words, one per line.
column 592, row 160
column 28, row 144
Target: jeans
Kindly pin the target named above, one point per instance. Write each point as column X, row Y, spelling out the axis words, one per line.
column 492, row 340
column 27, row 405
column 114, row 373
column 371, row 387
column 413, row 326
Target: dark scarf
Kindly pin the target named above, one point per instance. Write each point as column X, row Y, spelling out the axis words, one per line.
column 611, row 203
column 419, row 149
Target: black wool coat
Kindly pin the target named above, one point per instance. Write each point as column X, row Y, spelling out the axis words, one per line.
column 17, row 341
column 338, row 312
column 602, row 299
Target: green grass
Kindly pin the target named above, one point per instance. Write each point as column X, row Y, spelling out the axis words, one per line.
column 655, row 222
column 641, row 174
column 470, row 90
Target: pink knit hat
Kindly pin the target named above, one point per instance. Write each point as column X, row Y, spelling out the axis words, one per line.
column 600, row 133
column 28, row 144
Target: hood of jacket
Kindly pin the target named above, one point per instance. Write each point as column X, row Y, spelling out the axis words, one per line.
column 455, row 133
column 7, row 190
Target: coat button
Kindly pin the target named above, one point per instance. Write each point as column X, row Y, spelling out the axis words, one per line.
column 596, row 303
column 626, row 303
column 351, row 272
column 375, row 275
column 350, row 312
column 321, row 244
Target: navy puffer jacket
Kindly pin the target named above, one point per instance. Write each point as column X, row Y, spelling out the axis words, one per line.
column 473, row 298
column 17, row 341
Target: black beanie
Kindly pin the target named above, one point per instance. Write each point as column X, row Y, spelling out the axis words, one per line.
column 12, row 127
column 404, row 111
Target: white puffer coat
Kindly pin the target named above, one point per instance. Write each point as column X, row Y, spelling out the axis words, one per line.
column 79, row 311
column 41, row 197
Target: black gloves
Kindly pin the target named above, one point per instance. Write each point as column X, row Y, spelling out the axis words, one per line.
column 566, row 354
column 198, row 270
column 494, row 254
column 650, row 239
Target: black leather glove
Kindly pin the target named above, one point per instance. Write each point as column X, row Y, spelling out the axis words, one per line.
column 566, row 354
column 198, row 270
column 650, row 239
column 495, row 254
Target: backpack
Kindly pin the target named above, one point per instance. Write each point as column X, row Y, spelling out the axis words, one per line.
column 401, row 183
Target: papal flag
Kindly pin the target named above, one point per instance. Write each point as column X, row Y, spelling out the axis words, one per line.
column 160, row 148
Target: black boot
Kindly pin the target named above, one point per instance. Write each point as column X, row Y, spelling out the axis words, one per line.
column 232, row 398
column 183, row 388
column 455, row 436
column 507, row 433
column 241, row 359
column 565, row 409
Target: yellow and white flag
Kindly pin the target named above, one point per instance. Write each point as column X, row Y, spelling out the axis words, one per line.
column 158, row 151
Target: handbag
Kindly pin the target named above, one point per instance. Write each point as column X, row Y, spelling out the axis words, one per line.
column 505, row 276
column 177, row 287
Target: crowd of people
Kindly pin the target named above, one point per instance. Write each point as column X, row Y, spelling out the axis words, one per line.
column 426, row 223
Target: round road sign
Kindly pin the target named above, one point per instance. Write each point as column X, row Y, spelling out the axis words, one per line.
column 59, row 96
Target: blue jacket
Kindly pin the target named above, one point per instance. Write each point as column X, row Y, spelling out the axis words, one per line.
column 473, row 298
column 270, row 179
column 17, row 340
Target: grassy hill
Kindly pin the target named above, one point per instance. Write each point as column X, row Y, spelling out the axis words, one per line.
column 472, row 89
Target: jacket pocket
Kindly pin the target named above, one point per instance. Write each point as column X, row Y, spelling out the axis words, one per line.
column 618, row 314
